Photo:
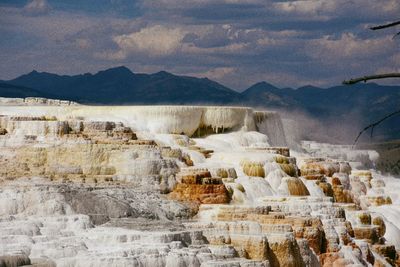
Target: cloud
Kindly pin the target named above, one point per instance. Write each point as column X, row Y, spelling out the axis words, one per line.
column 328, row 9
column 155, row 41
column 236, row 42
column 36, row 8
column 350, row 47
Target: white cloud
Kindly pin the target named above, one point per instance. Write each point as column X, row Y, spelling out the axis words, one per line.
column 183, row 4
column 306, row 7
column 234, row 48
column 227, row 40
column 327, row 9
column 36, row 8
column 349, row 47
column 155, row 41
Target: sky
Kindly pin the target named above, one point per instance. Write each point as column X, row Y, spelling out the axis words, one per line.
column 235, row 42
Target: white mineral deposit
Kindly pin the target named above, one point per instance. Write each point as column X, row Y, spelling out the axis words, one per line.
column 185, row 186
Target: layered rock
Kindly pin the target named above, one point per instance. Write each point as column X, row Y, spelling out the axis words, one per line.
column 198, row 186
column 85, row 186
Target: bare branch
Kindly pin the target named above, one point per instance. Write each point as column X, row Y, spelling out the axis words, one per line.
column 379, row 27
column 372, row 77
column 372, row 125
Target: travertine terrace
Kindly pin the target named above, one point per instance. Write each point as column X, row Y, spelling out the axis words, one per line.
column 185, row 186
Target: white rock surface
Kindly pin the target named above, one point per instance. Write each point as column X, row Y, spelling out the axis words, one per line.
column 127, row 186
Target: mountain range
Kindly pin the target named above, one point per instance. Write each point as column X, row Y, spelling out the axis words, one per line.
column 341, row 106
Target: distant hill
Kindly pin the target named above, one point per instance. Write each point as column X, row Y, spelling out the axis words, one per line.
column 121, row 86
column 368, row 98
column 265, row 94
column 9, row 90
column 341, row 106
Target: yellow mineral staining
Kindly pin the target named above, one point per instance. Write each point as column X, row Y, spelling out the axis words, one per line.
column 206, row 152
column 286, row 165
column 281, row 231
column 368, row 233
column 183, row 140
column 314, row 235
column 349, row 228
column 342, row 195
column 379, row 200
column 296, row 187
column 168, row 152
column 326, row 188
column 91, row 160
column 363, row 176
column 315, row 166
column 366, row 174
column 289, row 169
column 315, row 177
column 240, row 188
column 285, row 252
column 279, row 219
column 252, row 168
column 187, row 160
column 365, row 218
column 254, row 247
column 378, row 221
column 281, row 160
column 225, row 173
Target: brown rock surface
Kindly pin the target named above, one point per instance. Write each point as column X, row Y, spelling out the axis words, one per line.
column 296, row 187
column 319, row 166
column 388, row 252
column 368, row 233
column 197, row 185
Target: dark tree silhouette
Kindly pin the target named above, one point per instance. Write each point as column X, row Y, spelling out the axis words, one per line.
column 372, row 77
column 375, row 77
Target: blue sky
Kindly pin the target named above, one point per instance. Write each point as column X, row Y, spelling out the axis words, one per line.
column 235, row 42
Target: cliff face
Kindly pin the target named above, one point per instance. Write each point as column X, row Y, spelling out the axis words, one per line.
column 183, row 186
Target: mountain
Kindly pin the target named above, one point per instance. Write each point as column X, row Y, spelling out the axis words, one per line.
column 368, row 98
column 9, row 90
column 121, row 86
column 341, row 106
column 267, row 95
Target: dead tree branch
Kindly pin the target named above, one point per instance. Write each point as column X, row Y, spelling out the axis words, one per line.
column 372, row 77
column 388, row 25
column 373, row 125
column 384, row 26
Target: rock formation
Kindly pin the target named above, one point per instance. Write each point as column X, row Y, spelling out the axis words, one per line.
column 184, row 186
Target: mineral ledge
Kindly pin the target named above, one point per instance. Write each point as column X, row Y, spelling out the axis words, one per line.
column 184, row 186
